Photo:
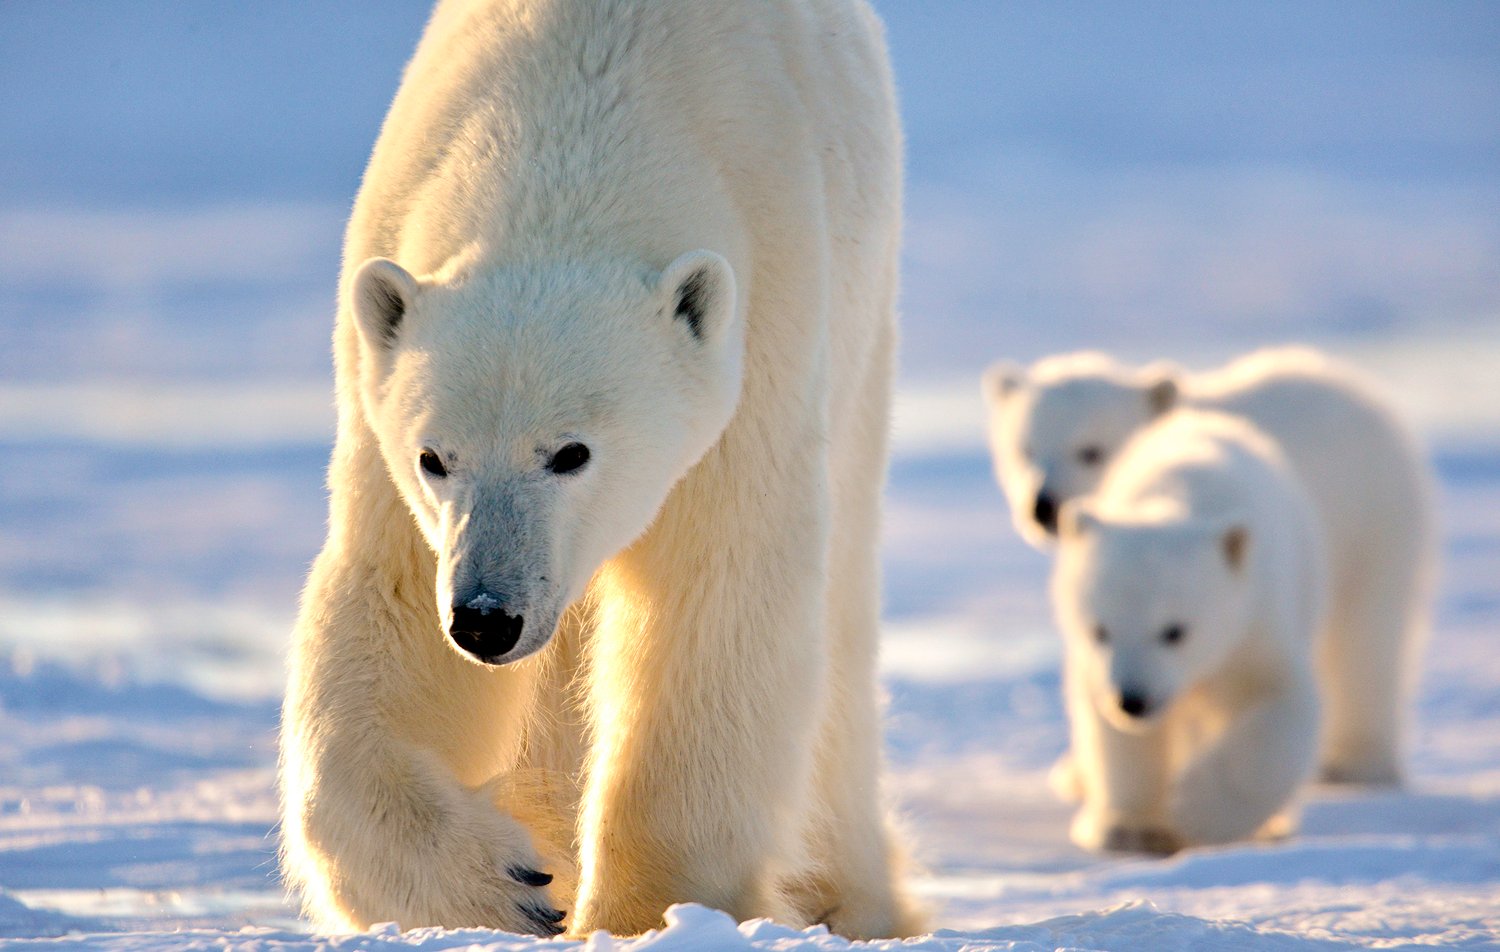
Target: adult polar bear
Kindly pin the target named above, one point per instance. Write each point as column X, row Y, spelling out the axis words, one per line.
column 1056, row 427
column 614, row 352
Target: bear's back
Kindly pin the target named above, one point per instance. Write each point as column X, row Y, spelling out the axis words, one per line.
column 537, row 125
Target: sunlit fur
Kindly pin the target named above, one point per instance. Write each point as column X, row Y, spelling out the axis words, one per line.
column 1360, row 466
column 693, row 716
column 1198, row 527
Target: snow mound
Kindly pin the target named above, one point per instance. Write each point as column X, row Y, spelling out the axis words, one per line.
column 694, row 928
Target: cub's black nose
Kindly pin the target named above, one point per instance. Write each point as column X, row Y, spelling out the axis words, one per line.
column 1045, row 512
column 486, row 633
column 1134, row 704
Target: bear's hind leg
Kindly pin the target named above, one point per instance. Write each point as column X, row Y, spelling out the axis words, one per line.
column 855, row 861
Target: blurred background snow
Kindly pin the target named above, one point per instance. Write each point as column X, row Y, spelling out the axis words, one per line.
column 1173, row 179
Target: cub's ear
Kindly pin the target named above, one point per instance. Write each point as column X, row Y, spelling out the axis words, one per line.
column 1235, row 543
column 382, row 291
column 1077, row 520
column 1160, row 383
column 1003, row 378
column 698, row 290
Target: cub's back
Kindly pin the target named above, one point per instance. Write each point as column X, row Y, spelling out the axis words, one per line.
column 1340, row 434
column 1199, row 463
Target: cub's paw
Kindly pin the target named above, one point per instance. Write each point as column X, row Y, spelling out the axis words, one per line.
column 1155, row 840
column 1368, row 773
column 1064, row 781
column 1216, row 803
column 1102, row 834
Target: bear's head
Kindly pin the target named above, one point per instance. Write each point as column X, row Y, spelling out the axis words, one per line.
column 1054, row 428
column 1148, row 608
column 534, row 418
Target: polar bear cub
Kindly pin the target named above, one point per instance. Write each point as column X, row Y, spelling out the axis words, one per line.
column 1189, row 588
column 594, row 627
column 1056, row 427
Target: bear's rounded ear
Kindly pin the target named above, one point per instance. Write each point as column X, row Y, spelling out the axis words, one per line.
column 382, row 291
column 1160, row 382
column 1235, row 543
column 698, row 288
column 1076, row 519
column 1003, row 378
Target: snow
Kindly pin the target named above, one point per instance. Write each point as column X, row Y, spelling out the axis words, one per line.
column 1156, row 179
column 137, row 807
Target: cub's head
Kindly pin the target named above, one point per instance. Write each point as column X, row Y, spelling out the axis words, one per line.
column 534, row 419
column 1148, row 608
column 1054, row 428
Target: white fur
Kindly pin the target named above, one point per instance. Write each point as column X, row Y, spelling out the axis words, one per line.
column 1190, row 584
column 1362, row 469
column 690, row 712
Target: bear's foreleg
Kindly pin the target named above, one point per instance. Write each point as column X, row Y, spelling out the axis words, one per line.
column 390, row 742
column 708, row 662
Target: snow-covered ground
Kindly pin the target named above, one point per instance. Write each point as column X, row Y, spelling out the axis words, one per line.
column 138, row 765
column 1159, row 179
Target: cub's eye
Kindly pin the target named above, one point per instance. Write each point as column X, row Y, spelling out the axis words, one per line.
column 569, row 458
column 432, row 464
column 1173, row 634
column 1091, row 455
column 1101, row 634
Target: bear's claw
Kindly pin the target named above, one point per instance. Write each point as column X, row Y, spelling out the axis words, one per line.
column 548, row 921
column 529, row 877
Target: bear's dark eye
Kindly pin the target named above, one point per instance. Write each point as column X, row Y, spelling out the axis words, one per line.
column 569, row 458
column 1173, row 634
column 432, row 463
column 1101, row 634
column 1091, row 455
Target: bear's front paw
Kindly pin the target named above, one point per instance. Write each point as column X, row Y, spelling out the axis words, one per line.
column 486, row 873
column 532, row 903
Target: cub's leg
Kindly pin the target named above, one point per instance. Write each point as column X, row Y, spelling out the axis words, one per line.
column 1250, row 773
column 1124, row 779
column 1367, row 657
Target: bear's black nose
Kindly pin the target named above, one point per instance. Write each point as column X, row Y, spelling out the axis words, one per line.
column 1134, row 704
column 1045, row 512
column 486, row 633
